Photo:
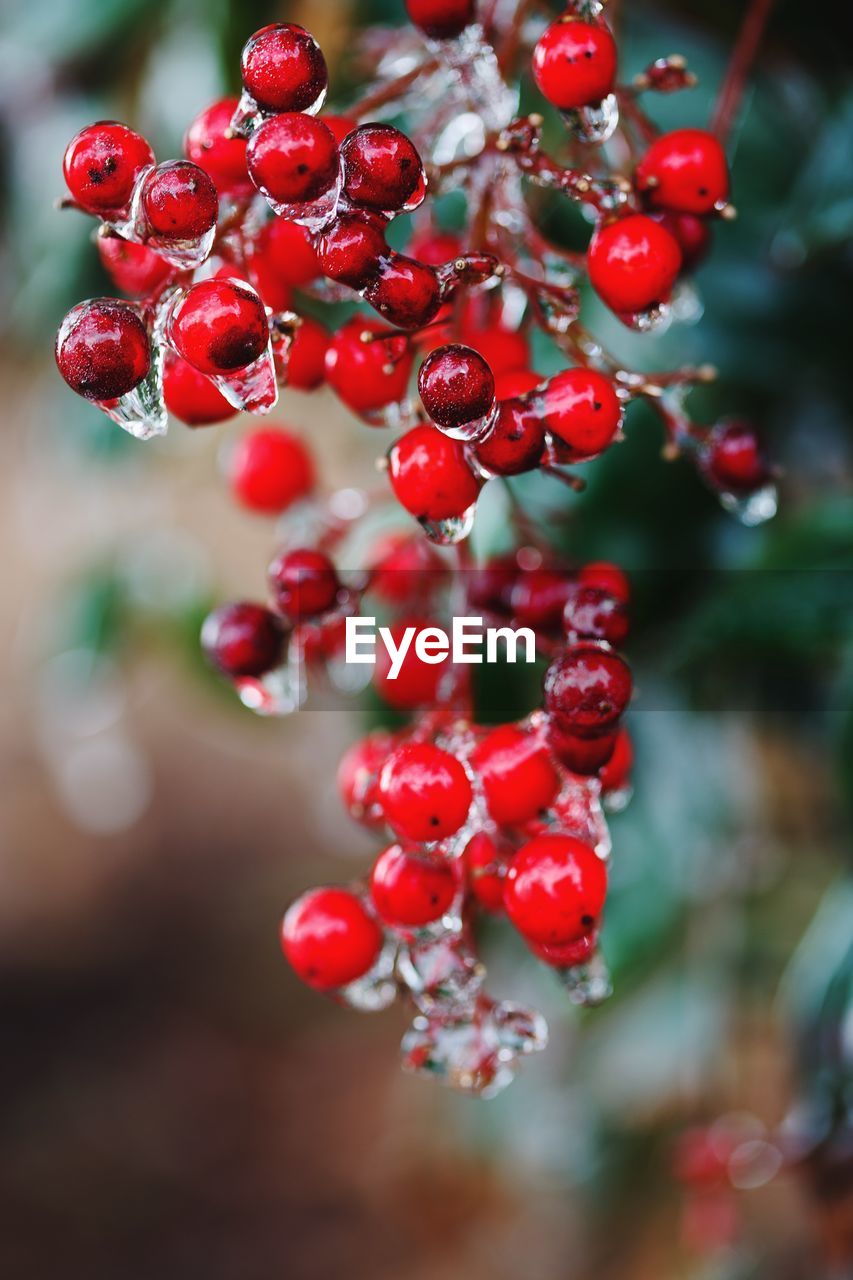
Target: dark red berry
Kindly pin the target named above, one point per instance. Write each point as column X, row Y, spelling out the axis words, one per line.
column 582, row 410
column 442, row 19
column 352, row 249
column 484, row 871
column 101, row 165
column 411, row 891
column 538, row 596
column 591, row 613
column 219, row 326
column 306, row 362
column 574, row 63
column 615, row 774
column 732, row 458
column 293, row 159
column 456, row 386
column 190, row 396
column 133, row 268
column 607, row 577
column 684, row 171
column 243, row 639
column 102, row 349
column 283, row 251
column 430, row 475
column 329, row 939
column 382, row 169
column 587, row 688
column 555, row 889
column 633, row 264
column 567, row 955
column 692, row 233
column 269, row 470
column 207, row 142
column 284, row 69
column 518, row 777
column 584, row 756
column 367, row 375
column 406, row 293
column 516, row 441
column 179, row 201
column 424, row 792
column 303, row 583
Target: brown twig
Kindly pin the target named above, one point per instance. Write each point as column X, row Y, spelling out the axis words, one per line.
column 392, row 90
column 743, row 55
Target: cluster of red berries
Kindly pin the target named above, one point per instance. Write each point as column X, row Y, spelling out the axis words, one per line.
column 277, row 201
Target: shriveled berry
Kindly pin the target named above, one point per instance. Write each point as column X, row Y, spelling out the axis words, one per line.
column 633, row 263
column 484, row 871
column 518, row 777
column 456, row 386
column 684, row 171
column 555, row 889
column 411, row 891
column 516, row 441
column 367, row 375
column 284, row 69
column 102, row 349
column 209, row 144
column 133, row 268
column 293, row 159
column 329, row 939
column 243, row 639
column 269, row 470
column 382, row 169
column 424, row 792
column 430, row 475
column 101, row 165
column 306, row 362
column 179, row 201
column 303, row 583
column 591, row 613
column 574, row 63
column 219, row 326
column 587, row 688
column 406, row 293
column 442, row 19
column 582, row 411
column 190, row 396
column 732, row 458
column 352, row 249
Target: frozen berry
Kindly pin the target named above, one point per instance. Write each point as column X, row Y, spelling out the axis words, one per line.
column 555, row 889
column 329, row 939
column 179, row 201
column 574, row 63
column 592, row 613
column 190, row 396
column 283, row 251
column 366, row 369
column 284, row 69
column 133, row 268
column 424, row 792
column 269, row 470
column 587, row 688
column 411, row 891
column 538, row 596
column 243, row 639
column 566, row 955
column 406, row 293
column 582, row 755
column 518, row 777
column 209, row 144
column 293, row 159
column 306, row 361
column 607, row 577
column 516, row 441
column 102, row 349
column 382, row 169
column 732, row 458
column 101, row 165
column 352, row 249
column 219, row 326
column 684, row 171
column 303, row 583
column 430, row 475
column 442, row 19
column 456, row 386
column 582, row 411
column 484, row 871
column 633, row 264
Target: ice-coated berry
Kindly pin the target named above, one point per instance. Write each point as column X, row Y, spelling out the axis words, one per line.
column 574, row 63
column 133, row 268
column 684, row 171
column 409, row 891
column 209, row 144
column 517, row 439
column 424, row 792
column 102, row 349
column 219, row 326
column 329, row 939
column 582, row 411
column 518, row 777
column 406, row 293
column 190, row 396
column 303, row 583
column 293, row 159
column 365, row 369
column 633, row 263
column 615, row 774
column 587, row 688
column 179, row 201
column 733, row 460
column 555, row 889
column 607, row 577
column 442, row 19
column 284, row 69
column 270, row 469
column 101, row 165
column 592, row 613
column 351, row 250
column 243, row 639
column 430, row 475
column 283, row 252
column 456, row 386
column 381, row 169
column 484, row 871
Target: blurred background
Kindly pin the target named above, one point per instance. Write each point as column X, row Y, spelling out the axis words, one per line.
column 173, row 1102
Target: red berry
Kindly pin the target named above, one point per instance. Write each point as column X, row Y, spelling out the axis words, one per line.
column 430, row 475
column 516, row 441
column 456, row 386
column 574, row 63
column 442, row 19
column 406, row 293
column 101, row 165
column 503, row 350
column 484, row 872
column 538, row 596
column 179, row 201
column 219, row 326
column 411, row 891
column 269, row 470
column 607, row 577
column 732, row 458
column 306, row 362
column 283, row 251
column 404, row 568
column 329, row 939
column 587, row 688
column 293, row 159
column 340, row 126
column 358, row 775
column 303, row 583
column 208, row 144
column 567, row 955
column 591, row 613
column 582, row 410
column 435, row 247
column 352, row 249
column 284, row 69
column 382, row 169
column 417, row 683
column 424, row 792
column 581, row 755
column 102, row 349
column 518, row 777
column 555, row 889
column 615, row 774
column 190, row 396
column 684, row 171
column 515, row 383
column 693, row 235
column 490, row 585
column 367, row 375
column 243, row 639
column 633, row 263
column 133, row 268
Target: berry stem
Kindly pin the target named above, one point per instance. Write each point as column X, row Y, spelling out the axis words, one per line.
column 391, row 91
column 743, row 55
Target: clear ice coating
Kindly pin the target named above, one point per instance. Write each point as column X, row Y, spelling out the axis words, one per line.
column 476, row 429
column 587, row 984
column 655, row 320
column 142, row 411
column 445, row 533
column 754, row 508
column 441, row 971
column 186, row 255
column 249, row 115
column 594, row 124
column 375, row 990
column 253, row 389
column 277, row 693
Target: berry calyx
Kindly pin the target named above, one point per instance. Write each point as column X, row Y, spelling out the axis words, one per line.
column 424, row 792
column 269, row 470
column 555, row 889
column 574, row 63
column 352, row 249
column 367, row 374
column 456, row 386
column 102, row 349
column 209, row 144
column 382, row 169
column 684, row 171
column 293, row 159
column 633, row 264
column 430, row 475
column 406, row 293
column 303, row 583
column 518, row 777
column 587, row 688
column 442, row 19
column 411, row 891
column 582, row 411
column 219, row 326
column 179, row 201
column 284, row 69
column 133, row 268
column 243, row 639
column 190, row 396
column 101, row 165
column 329, row 939
column 733, row 460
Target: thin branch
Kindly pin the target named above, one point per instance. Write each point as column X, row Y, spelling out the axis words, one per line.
column 392, row 90
column 740, row 64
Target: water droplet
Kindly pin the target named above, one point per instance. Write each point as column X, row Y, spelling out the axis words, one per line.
column 594, row 124
column 447, row 532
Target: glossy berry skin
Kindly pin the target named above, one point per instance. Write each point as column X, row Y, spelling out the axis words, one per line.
column 456, row 386
column 269, row 470
column 284, row 69
column 424, row 792
column 329, row 939
column 352, row 250
column 430, row 475
column 582, row 411
column 593, row 614
column 555, row 889
column 223, row 158
column 306, row 364
column 518, row 777
column 409, row 891
column 537, row 597
column 283, row 251
column 293, row 159
column 685, row 172
column 102, row 349
column 567, row 954
column 587, row 688
column 190, row 396
column 692, row 233
column 382, row 169
column 435, row 247
column 366, row 375
column 516, row 383
column 303, row 583
column 633, row 263
column 616, row 773
column 441, row 19
column 101, row 165
column 406, row 293
column 179, row 201
column 219, row 326
column 732, row 459
column 484, row 872
column 243, row 639
column 607, row 577
column 581, row 755
column 417, row 683
column 133, row 268
column 574, row 63
column 516, row 441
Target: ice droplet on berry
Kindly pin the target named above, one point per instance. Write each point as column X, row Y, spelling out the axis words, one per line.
column 754, row 508
column 445, row 533
column 595, row 124
column 587, row 984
